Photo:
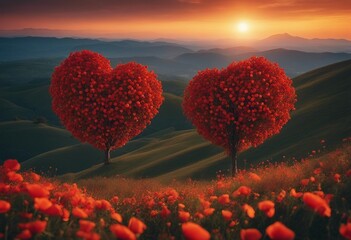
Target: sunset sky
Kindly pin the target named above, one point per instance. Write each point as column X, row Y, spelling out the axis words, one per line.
column 181, row 19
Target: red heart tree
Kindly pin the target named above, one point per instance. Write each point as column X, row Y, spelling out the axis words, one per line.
column 103, row 106
column 240, row 106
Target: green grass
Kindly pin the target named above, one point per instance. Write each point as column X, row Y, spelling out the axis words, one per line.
column 25, row 139
column 322, row 113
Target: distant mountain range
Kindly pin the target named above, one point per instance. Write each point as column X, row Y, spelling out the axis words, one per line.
column 48, row 47
column 39, row 55
column 303, row 44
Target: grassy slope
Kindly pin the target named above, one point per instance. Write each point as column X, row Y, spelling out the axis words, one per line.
column 165, row 154
column 322, row 113
column 13, row 111
column 25, row 139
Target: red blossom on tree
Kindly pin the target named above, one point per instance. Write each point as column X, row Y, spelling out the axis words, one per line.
column 240, row 106
column 103, row 106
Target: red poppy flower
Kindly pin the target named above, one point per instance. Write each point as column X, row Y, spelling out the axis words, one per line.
column 5, row 206
column 136, row 226
column 250, row 234
column 122, row 232
column 193, row 231
column 278, row 231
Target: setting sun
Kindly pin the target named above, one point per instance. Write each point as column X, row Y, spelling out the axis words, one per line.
column 243, row 27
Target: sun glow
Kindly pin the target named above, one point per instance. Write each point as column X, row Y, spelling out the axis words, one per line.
column 242, row 27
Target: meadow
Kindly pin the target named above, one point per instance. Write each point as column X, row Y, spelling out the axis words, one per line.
column 305, row 199
column 169, row 182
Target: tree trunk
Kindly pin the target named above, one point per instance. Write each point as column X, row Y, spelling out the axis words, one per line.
column 233, row 148
column 107, row 159
column 234, row 157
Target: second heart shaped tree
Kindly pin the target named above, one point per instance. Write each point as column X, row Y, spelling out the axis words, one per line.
column 240, row 106
column 103, row 106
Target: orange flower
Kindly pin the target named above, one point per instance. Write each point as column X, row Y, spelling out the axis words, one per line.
column 181, row 206
column 5, row 206
column 254, row 176
column 267, row 207
column 242, row 191
column 209, row 211
column 165, row 212
column 14, row 177
column 345, row 230
column 35, row 177
column 153, row 213
column 213, row 197
column 281, row 196
column 227, row 215
column 304, row 182
column 295, row 194
column 11, row 165
column 115, row 199
column 4, row 188
column 337, row 177
column 193, row 231
column 34, row 227
column 42, row 203
column 183, row 216
column 250, row 234
column 278, row 231
column 103, row 205
column 87, row 235
column 224, row 199
column 122, row 232
column 24, row 235
column 249, row 210
column 86, row 226
column 79, row 213
column 136, row 226
column 37, row 191
column 54, row 210
column 317, row 203
column 317, row 171
column 117, row 217
column 65, row 215
column 199, row 215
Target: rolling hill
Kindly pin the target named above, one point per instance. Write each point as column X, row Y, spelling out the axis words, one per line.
column 20, row 48
column 288, row 41
column 25, row 139
column 294, row 62
column 323, row 112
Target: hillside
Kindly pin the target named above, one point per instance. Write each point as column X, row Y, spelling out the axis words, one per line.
column 293, row 62
column 25, row 139
column 310, row 199
column 322, row 113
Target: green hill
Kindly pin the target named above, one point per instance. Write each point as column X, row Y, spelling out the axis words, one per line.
column 181, row 149
column 13, row 111
column 323, row 112
column 167, row 149
column 25, row 139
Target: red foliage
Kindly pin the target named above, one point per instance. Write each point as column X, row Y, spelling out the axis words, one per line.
column 103, row 106
column 250, row 100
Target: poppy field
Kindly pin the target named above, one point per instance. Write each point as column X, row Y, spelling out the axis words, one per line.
column 307, row 199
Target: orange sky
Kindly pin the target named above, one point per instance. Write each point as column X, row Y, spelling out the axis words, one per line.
column 181, row 19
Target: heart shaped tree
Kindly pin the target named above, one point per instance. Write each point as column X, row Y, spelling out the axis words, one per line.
column 103, row 106
column 240, row 106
